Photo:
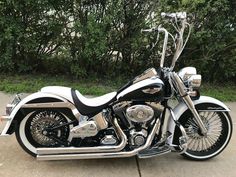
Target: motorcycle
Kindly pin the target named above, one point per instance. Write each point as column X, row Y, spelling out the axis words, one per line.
column 59, row 123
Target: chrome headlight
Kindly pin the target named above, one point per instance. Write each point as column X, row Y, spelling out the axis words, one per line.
column 186, row 72
column 190, row 77
column 194, row 81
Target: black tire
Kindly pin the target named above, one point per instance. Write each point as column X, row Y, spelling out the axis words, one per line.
column 25, row 138
column 207, row 149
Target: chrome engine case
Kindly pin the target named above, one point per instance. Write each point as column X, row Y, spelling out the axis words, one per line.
column 140, row 113
column 85, row 129
column 88, row 128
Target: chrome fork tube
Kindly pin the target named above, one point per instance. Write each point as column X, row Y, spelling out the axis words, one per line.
column 180, row 86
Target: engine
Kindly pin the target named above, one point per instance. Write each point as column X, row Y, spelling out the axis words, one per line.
column 135, row 118
column 139, row 113
column 140, row 118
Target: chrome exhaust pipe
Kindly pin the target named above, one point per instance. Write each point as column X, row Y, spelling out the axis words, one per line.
column 71, row 150
column 155, row 130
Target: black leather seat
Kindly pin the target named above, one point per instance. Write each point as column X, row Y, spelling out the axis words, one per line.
column 91, row 106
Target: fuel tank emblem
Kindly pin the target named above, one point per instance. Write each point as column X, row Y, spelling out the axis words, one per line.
column 151, row 90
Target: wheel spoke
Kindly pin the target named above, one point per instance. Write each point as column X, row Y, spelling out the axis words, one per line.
column 45, row 120
column 213, row 123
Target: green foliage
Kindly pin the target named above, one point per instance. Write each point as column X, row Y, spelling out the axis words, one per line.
column 80, row 37
column 212, row 46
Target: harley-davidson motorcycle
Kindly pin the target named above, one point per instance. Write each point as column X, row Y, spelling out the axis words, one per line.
column 59, row 123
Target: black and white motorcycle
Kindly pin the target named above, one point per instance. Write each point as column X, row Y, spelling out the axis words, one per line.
column 59, row 123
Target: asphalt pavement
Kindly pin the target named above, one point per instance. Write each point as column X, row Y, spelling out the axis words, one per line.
column 15, row 162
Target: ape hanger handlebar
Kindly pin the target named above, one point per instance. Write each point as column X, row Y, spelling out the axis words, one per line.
column 179, row 41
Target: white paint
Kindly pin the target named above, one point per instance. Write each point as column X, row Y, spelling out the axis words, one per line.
column 24, row 140
column 65, row 92
column 24, row 101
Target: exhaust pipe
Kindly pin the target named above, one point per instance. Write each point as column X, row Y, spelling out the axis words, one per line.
column 155, row 130
column 71, row 150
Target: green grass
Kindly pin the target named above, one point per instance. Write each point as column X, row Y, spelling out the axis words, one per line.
column 224, row 92
column 33, row 83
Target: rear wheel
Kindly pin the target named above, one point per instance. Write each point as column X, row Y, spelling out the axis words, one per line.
column 219, row 131
column 32, row 132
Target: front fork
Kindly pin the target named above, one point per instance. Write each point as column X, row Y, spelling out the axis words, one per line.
column 188, row 101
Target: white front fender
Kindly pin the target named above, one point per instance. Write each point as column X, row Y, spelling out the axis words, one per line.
column 204, row 103
column 27, row 99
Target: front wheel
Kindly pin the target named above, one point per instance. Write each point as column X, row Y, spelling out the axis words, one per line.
column 219, row 131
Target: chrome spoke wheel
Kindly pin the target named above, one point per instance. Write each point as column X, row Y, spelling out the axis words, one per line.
column 219, row 131
column 197, row 142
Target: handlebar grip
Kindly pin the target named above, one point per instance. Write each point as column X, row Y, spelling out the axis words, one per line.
column 168, row 15
column 148, row 30
column 178, row 15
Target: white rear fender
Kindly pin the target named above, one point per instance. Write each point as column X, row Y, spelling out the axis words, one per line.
column 30, row 99
column 204, row 103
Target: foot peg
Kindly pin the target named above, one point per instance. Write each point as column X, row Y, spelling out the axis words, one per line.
column 154, row 152
column 183, row 144
column 181, row 147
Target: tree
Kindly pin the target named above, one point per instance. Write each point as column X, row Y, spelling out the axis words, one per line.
column 79, row 37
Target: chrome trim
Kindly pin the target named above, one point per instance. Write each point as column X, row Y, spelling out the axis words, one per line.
column 60, row 150
column 195, row 81
column 9, row 108
column 180, row 44
column 139, row 113
column 178, row 15
column 151, row 90
column 212, row 110
column 5, row 118
column 222, row 147
column 48, row 105
column 164, row 45
column 181, row 88
column 161, row 152
column 164, row 134
column 151, row 72
column 186, row 72
column 204, row 143
column 54, row 105
column 101, row 121
column 155, row 129
column 183, row 147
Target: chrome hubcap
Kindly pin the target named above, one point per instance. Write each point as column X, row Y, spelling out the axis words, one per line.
column 213, row 124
